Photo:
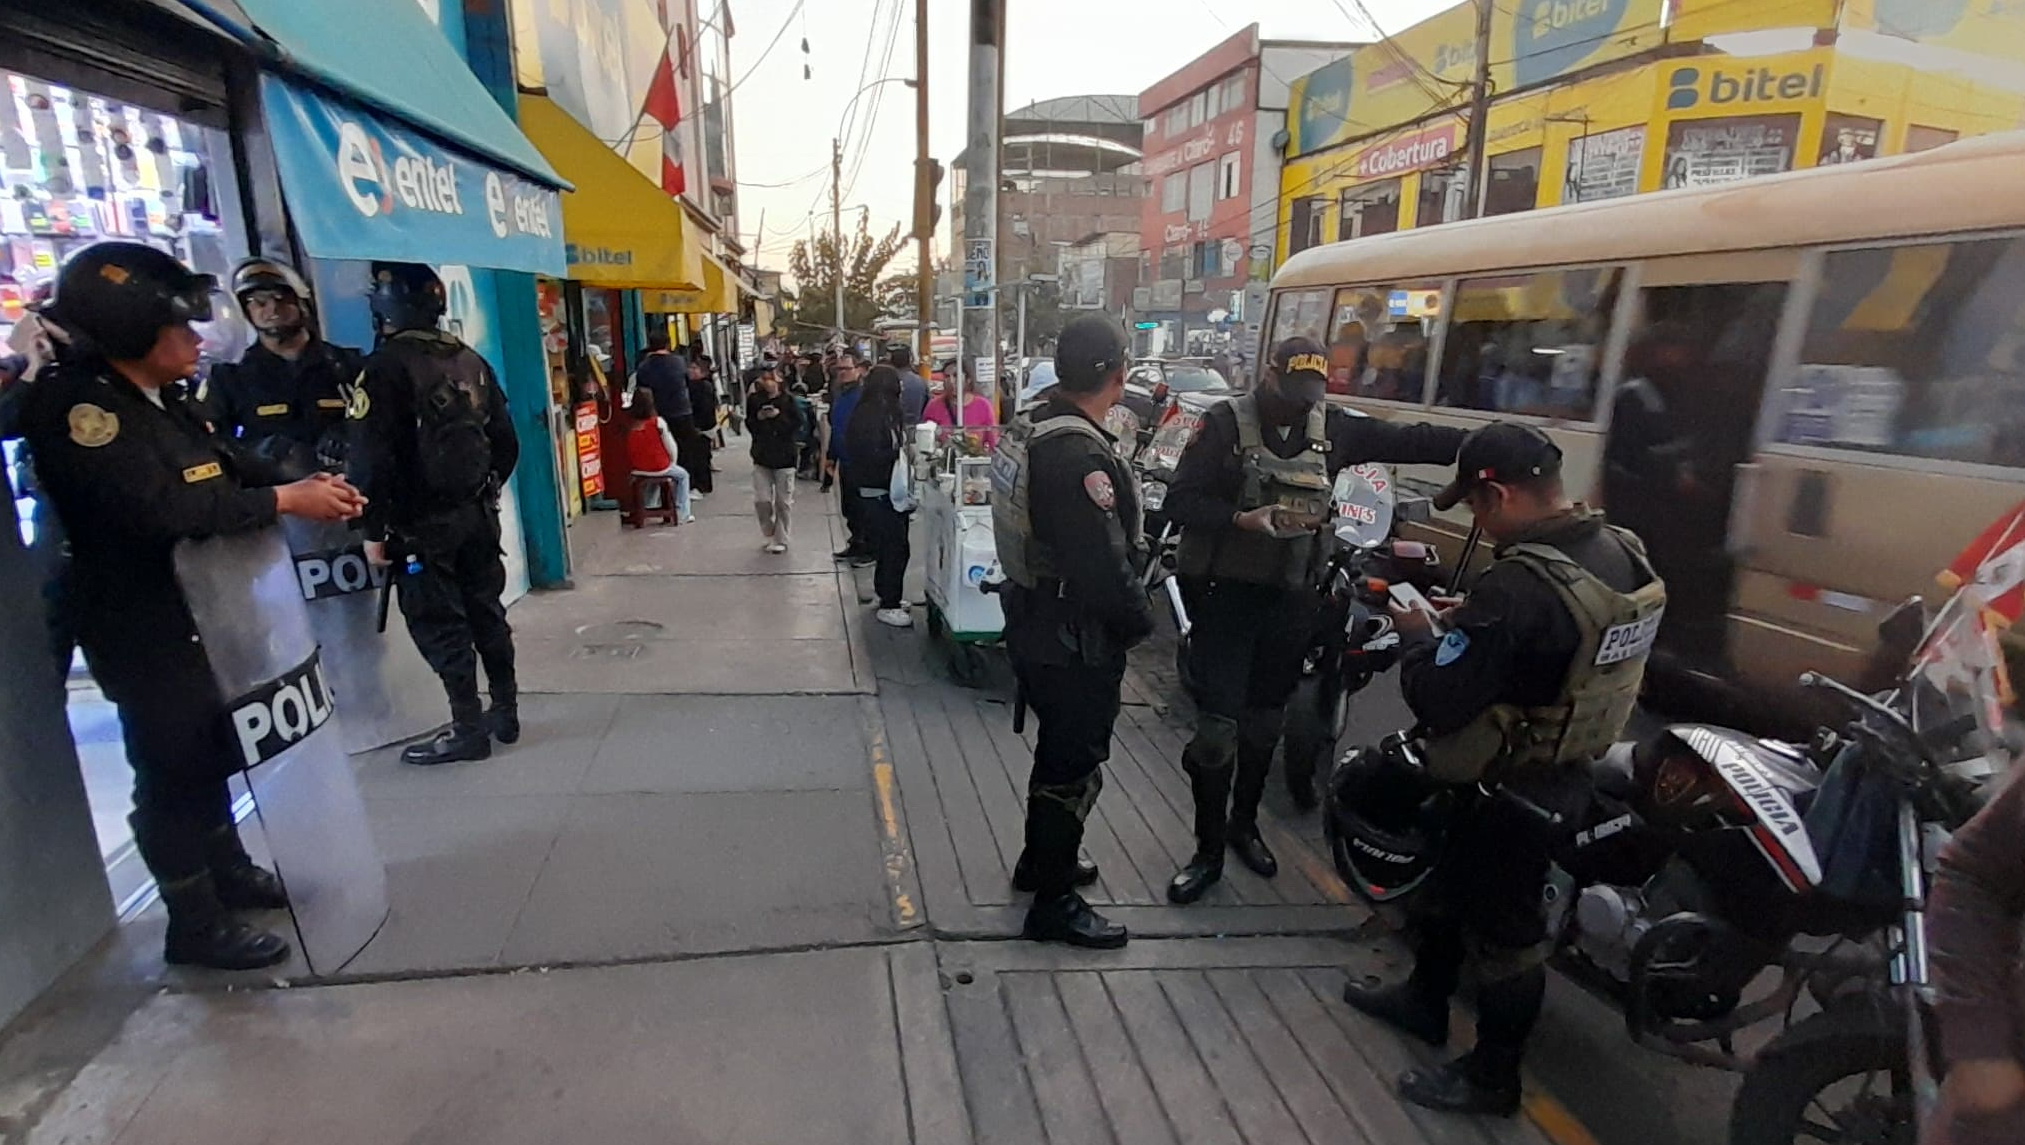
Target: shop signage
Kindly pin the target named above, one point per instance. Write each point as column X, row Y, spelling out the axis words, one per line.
column 360, row 186
column 1605, row 165
column 1405, row 153
column 590, row 456
column 1689, row 87
column 1705, row 152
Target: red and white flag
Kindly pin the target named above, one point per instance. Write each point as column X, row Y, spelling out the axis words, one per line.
column 664, row 106
column 1993, row 567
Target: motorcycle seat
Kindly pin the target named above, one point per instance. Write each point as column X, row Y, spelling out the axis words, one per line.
column 1612, row 771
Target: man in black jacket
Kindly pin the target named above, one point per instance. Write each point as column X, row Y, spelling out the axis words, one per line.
column 1252, row 494
column 432, row 446
column 1066, row 514
column 286, row 396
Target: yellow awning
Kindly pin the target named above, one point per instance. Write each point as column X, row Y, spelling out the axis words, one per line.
column 719, row 294
column 620, row 229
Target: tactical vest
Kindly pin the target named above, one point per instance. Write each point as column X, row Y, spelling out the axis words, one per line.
column 452, row 408
column 1300, row 483
column 1025, row 561
column 1617, row 631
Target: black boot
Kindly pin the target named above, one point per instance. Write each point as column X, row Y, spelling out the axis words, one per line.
column 1068, row 919
column 201, row 933
column 1482, row 1081
column 504, row 721
column 1258, row 736
column 1208, row 760
column 240, row 883
column 455, row 744
column 1301, row 782
column 1409, row 1007
column 1251, row 850
column 1024, row 882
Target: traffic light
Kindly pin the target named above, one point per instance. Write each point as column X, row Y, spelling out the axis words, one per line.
column 927, row 203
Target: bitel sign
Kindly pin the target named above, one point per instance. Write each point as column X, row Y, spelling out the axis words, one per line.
column 361, row 187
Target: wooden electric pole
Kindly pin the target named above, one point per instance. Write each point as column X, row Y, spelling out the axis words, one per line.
column 1480, row 117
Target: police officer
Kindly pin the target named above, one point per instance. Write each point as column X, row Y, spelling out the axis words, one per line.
column 432, row 445
column 1066, row 513
column 286, row 396
column 1251, row 494
column 132, row 471
column 1534, row 677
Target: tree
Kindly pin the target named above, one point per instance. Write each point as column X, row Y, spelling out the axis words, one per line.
column 813, row 307
column 1045, row 316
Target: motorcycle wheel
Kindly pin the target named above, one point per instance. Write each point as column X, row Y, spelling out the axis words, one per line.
column 1847, row 1085
column 1316, row 715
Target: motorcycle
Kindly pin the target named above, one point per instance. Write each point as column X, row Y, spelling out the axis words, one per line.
column 1718, row 883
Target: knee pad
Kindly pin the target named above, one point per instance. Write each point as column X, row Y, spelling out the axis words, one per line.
column 1214, row 747
column 1078, row 796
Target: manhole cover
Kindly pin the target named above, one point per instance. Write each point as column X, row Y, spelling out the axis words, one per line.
column 607, row 652
column 620, row 631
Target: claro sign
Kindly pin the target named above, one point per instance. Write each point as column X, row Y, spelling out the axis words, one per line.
column 1398, row 155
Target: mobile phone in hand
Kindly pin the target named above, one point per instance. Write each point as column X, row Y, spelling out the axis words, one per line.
column 1406, row 596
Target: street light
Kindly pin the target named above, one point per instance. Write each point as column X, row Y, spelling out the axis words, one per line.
column 837, row 188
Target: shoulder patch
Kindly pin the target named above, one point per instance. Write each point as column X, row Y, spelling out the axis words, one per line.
column 92, row 426
column 1452, row 647
column 361, row 405
column 204, row 472
column 277, row 409
column 1097, row 484
column 332, row 403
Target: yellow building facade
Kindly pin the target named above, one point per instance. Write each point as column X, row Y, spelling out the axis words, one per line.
column 1647, row 108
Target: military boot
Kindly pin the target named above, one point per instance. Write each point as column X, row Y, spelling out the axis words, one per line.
column 1054, row 834
column 1024, row 881
column 1208, row 760
column 241, row 884
column 1258, row 735
column 503, row 720
column 1483, row 1081
column 1409, row 1007
column 457, row 743
column 201, row 933
column 1069, row 920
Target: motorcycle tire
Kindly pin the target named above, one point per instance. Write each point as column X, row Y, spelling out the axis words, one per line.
column 1316, row 714
column 1779, row 1093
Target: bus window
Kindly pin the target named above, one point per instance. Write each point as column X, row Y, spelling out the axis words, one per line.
column 1378, row 340
column 1301, row 314
column 1529, row 343
column 1917, row 351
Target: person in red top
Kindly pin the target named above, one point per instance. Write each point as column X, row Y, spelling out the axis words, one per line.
column 651, row 446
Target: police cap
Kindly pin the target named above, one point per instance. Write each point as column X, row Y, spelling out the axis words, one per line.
column 1505, row 452
column 1091, row 347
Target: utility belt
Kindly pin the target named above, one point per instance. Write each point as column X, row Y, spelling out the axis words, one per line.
column 1505, row 743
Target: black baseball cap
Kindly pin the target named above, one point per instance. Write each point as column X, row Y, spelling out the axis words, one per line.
column 1089, row 349
column 1300, row 356
column 1503, row 451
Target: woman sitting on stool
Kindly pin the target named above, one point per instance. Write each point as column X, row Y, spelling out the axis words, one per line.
column 651, row 446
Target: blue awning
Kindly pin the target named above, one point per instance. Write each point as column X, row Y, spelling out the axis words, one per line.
column 365, row 186
column 389, row 56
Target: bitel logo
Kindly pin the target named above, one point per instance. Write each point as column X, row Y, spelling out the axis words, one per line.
column 1551, row 37
column 1325, row 105
column 363, row 171
column 1684, row 89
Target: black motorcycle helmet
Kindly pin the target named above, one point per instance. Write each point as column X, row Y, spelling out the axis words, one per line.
column 260, row 273
column 116, row 298
column 1385, row 820
column 406, row 296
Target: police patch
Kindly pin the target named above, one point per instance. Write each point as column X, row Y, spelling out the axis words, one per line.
column 330, row 403
column 1452, row 647
column 360, row 406
column 276, row 410
column 1098, row 486
column 205, row 472
column 91, row 426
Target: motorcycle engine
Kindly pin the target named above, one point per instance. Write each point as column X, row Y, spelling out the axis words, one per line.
column 1609, row 922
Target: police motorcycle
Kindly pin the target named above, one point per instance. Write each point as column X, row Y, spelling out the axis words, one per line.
column 1722, row 888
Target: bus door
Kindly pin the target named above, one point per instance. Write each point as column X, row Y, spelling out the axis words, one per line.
column 1681, row 424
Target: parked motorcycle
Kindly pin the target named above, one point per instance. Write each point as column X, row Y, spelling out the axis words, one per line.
column 1719, row 883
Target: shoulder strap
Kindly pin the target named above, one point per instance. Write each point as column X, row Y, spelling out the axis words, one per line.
column 1318, row 426
column 1245, row 407
column 1066, row 423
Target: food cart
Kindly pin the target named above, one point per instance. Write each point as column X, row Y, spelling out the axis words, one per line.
column 962, row 554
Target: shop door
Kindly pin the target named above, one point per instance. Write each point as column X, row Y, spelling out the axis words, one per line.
column 1681, row 424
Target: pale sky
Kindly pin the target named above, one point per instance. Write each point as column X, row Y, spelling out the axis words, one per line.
column 784, row 124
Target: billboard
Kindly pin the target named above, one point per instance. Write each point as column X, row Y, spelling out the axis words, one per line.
column 1428, row 67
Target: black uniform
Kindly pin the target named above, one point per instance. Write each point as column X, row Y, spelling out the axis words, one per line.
column 293, row 411
column 1248, row 639
column 432, row 445
column 1068, row 638
column 130, row 479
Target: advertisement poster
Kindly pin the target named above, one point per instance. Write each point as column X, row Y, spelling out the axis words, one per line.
column 1709, row 152
column 1848, row 139
column 1604, row 165
column 590, row 461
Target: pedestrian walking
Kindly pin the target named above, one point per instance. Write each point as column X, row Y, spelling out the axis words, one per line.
column 774, row 420
column 875, row 441
column 133, row 471
column 432, row 445
column 695, row 456
column 650, row 444
column 1066, row 516
column 847, row 380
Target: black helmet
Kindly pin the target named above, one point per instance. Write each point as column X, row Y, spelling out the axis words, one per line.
column 1385, row 820
column 118, row 297
column 406, row 296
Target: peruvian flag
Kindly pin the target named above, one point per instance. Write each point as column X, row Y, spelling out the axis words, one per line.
column 664, row 106
column 1993, row 567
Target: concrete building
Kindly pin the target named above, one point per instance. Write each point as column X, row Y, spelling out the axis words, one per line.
column 1212, row 136
column 1100, row 272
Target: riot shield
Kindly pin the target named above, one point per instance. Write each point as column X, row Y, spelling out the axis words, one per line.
column 388, row 692
column 246, row 599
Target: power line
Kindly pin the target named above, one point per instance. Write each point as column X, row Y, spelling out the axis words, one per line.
column 797, row 181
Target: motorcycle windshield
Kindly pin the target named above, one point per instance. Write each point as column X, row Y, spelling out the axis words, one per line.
column 1364, row 502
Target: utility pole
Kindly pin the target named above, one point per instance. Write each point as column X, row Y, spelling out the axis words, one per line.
column 1020, row 350
column 1480, row 117
column 837, row 224
column 980, row 197
column 924, row 198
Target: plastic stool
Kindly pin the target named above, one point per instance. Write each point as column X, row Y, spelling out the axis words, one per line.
column 639, row 516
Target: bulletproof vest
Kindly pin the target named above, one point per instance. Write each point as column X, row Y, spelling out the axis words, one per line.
column 1617, row 632
column 1300, row 483
column 452, row 407
column 1025, row 561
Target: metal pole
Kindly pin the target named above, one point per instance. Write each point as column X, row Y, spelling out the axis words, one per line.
column 837, row 225
column 1020, row 355
column 1480, row 116
column 980, row 198
column 924, row 196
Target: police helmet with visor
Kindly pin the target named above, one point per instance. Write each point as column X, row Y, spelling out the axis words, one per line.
column 118, row 297
column 260, row 275
column 406, row 296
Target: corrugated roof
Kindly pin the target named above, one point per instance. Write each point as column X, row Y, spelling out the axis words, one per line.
column 1081, row 109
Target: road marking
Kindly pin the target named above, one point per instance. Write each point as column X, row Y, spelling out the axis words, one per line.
column 1553, row 1119
column 898, row 858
